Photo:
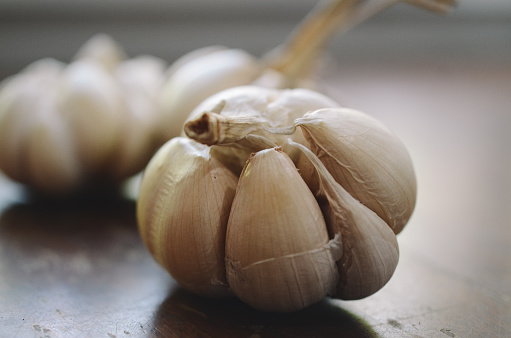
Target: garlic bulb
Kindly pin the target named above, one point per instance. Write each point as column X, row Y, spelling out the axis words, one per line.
column 64, row 126
column 286, row 246
column 321, row 191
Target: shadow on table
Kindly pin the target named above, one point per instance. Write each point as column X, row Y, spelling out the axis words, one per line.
column 185, row 314
column 52, row 216
column 67, row 238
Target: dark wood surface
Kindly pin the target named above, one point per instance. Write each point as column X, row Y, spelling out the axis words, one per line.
column 79, row 268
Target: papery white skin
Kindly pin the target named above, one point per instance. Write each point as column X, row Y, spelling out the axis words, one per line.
column 360, row 152
column 95, row 118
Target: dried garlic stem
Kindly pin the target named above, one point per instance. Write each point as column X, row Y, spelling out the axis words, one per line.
column 296, row 58
column 215, row 129
column 438, row 6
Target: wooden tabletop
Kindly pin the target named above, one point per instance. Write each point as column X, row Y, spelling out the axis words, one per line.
column 78, row 267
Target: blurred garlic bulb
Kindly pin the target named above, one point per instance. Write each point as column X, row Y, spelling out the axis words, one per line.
column 63, row 127
column 286, row 247
column 198, row 75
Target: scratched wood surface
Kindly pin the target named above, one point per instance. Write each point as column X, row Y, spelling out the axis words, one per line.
column 78, row 267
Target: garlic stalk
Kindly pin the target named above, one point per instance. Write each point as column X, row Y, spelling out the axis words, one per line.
column 206, row 71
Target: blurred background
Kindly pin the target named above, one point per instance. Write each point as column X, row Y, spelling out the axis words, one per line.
column 441, row 83
column 30, row 29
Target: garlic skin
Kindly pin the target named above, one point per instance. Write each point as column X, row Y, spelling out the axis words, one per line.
column 276, row 236
column 182, row 214
column 252, row 108
column 366, row 158
column 64, row 127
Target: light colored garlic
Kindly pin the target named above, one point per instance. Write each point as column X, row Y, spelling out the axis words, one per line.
column 280, row 253
column 182, row 213
column 198, row 75
column 28, row 141
column 64, row 127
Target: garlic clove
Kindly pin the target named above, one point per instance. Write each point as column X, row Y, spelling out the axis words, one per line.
column 368, row 160
column 198, row 77
column 190, row 56
column 102, row 49
column 182, row 210
column 91, row 103
column 370, row 249
column 140, row 79
column 50, row 159
column 278, row 254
